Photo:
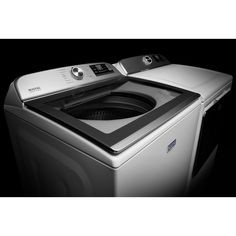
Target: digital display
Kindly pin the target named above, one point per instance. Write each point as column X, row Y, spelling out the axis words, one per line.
column 100, row 69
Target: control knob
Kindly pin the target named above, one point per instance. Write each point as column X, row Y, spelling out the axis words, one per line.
column 77, row 72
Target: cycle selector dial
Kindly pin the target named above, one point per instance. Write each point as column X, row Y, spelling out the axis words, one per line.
column 77, row 73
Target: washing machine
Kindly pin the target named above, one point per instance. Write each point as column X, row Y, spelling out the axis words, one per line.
column 88, row 130
column 211, row 85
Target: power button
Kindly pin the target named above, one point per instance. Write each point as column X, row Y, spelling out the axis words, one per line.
column 77, row 72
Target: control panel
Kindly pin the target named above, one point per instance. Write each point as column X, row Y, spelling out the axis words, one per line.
column 101, row 69
column 55, row 80
column 140, row 63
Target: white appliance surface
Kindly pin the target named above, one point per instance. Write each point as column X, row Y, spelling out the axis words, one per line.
column 205, row 82
column 56, row 161
column 60, row 163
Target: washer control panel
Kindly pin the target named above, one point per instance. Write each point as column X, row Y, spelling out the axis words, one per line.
column 55, row 80
column 101, row 69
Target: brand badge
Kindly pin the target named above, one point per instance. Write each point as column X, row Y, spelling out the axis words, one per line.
column 171, row 146
column 35, row 89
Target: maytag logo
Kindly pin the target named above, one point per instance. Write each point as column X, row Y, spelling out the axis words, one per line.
column 35, row 89
column 147, row 60
column 171, row 145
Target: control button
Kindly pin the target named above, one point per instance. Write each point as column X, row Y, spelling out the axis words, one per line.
column 77, row 72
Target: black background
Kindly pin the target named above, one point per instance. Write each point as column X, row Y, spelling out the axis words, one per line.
column 19, row 57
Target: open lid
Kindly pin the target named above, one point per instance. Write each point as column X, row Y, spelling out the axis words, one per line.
column 140, row 106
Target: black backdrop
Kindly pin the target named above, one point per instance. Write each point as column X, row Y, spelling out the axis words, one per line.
column 19, row 57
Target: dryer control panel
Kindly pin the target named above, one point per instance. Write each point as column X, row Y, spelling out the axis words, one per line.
column 141, row 63
column 65, row 78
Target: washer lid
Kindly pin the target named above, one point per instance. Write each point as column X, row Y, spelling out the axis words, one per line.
column 145, row 106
